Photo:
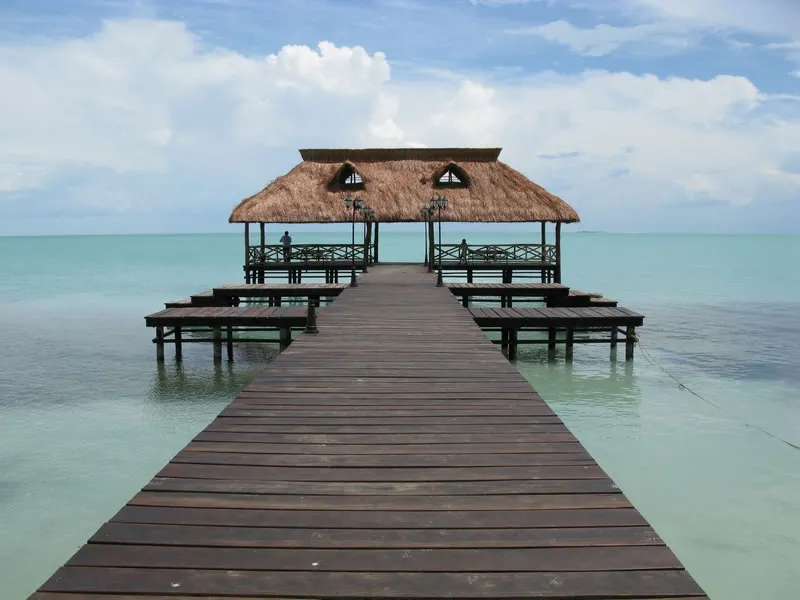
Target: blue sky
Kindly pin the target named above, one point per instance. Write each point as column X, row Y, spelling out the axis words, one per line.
column 159, row 116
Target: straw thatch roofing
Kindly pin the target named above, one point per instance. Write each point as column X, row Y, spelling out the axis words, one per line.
column 396, row 182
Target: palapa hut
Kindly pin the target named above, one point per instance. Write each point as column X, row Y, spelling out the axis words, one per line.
column 395, row 183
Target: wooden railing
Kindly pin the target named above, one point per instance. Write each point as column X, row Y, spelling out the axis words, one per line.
column 309, row 253
column 496, row 253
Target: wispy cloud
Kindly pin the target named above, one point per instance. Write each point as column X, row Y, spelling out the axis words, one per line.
column 603, row 39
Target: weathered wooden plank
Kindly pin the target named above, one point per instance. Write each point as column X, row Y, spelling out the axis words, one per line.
column 630, row 584
column 368, row 461
column 333, row 449
column 625, row 516
column 386, row 429
column 430, row 560
column 261, row 473
column 415, row 488
column 543, row 502
column 266, row 537
column 387, row 438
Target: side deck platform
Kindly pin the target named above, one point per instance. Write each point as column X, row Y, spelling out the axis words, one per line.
column 395, row 454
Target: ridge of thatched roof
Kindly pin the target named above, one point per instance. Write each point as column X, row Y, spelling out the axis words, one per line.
column 396, row 182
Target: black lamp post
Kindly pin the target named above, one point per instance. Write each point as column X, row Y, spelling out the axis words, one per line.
column 439, row 203
column 356, row 204
column 369, row 216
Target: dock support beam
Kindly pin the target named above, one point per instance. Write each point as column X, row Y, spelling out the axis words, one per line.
column 551, row 343
column 630, row 340
column 431, row 257
column 229, row 341
column 570, row 343
column 285, row 337
column 375, row 256
column 262, row 244
column 217, row 344
column 311, row 317
column 558, row 253
column 247, row 252
column 160, row 344
column 367, row 242
column 544, row 251
column 512, row 344
column 178, row 343
column 504, row 341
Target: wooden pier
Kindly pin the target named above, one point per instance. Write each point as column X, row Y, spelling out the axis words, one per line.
column 394, row 454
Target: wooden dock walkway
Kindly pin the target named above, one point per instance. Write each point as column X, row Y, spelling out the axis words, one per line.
column 395, row 454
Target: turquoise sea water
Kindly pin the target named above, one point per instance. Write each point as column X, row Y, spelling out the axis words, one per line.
column 87, row 417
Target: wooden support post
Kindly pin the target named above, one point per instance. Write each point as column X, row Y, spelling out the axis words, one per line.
column 558, row 253
column 285, row 336
column 217, row 344
column 630, row 341
column 367, row 242
column 469, row 275
column 551, row 342
column 262, row 243
column 512, row 344
column 570, row 343
column 544, row 251
column 614, row 337
column 159, row 344
column 465, row 301
column 375, row 254
column 427, row 245
column 504, row 341
column 230, row 342
column 508, row 275
column 247, row 252
column 178, row 344
column 311, row 317
column 431, row 257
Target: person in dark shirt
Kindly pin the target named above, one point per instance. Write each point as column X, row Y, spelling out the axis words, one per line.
column 286, row 240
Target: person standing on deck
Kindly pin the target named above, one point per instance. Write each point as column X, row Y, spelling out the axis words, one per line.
column 286, row 240
column 463, row 247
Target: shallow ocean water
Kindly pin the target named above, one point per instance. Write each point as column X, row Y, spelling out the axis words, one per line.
column 87, row 417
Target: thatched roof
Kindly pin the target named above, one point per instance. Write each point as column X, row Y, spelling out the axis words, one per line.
column 396, row 182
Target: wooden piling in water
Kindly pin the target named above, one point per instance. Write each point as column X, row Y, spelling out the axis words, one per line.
column 178, row 343
column 570, row 347
column 217, row 344
column 160, row 344
column 630, row 341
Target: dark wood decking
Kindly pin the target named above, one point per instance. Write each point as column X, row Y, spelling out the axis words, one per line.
column 396, row 454
column 516, row 290
column 287, row 316
column 282, row 290
column 576, row 317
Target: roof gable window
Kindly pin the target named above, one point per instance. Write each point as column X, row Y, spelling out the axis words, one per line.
column 349, row 179
column 452, row 176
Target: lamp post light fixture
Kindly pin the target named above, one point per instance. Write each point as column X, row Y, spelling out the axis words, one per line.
column 357, row 205
column 439, row 203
